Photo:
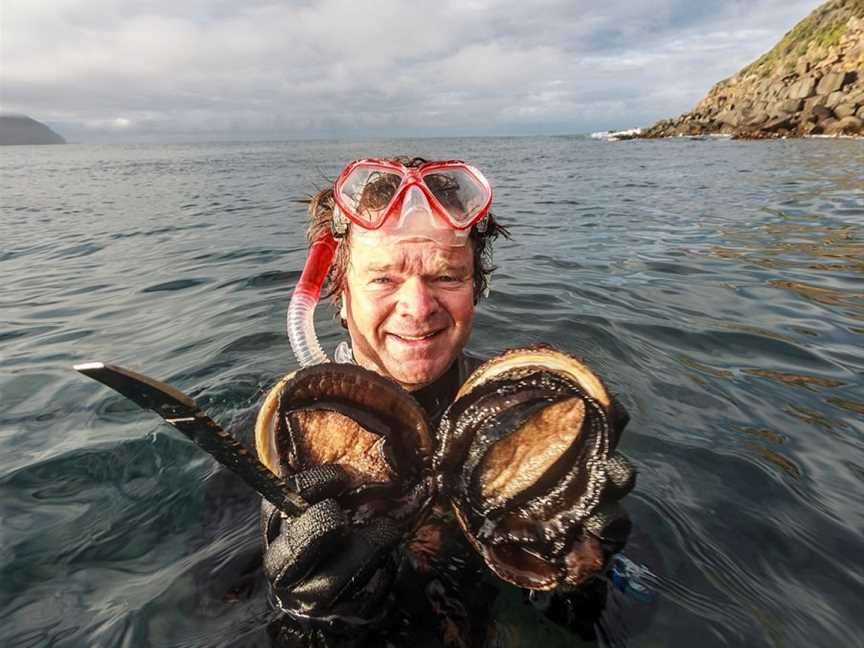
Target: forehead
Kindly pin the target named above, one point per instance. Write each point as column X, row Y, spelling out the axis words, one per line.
column 411, row 257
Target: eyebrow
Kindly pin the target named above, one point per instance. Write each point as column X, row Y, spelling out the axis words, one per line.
column 453, row 268
column 379, row 268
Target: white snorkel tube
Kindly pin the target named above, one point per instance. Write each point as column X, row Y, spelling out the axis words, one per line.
column 304, row 299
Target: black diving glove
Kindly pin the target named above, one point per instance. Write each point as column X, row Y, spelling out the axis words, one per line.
column 619, row 417
column 322, row 567
column 609, row 522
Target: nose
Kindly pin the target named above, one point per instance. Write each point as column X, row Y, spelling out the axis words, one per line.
column 417, row 299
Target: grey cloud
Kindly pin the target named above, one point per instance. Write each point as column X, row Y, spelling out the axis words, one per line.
column 114, row 69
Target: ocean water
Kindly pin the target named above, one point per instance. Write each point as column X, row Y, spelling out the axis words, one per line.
column 717, row 285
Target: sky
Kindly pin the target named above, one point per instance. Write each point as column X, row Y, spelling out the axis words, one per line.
column 189, row 70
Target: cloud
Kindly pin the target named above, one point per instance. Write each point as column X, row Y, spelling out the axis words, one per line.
column 343, row 68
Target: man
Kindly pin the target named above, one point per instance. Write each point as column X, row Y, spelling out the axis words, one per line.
column 412, row 260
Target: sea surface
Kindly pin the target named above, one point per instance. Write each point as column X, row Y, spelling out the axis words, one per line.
column 717, row 286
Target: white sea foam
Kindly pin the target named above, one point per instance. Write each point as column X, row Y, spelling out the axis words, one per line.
column 614, row 136
column 835, row 136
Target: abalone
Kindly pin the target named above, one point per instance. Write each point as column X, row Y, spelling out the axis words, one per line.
column 526, row 455
column 368, row 425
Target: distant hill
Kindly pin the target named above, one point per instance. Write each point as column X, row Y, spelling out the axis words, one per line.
column 19, row 129
column 810, row 83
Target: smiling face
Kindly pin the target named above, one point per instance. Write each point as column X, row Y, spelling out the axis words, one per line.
column 409, row 308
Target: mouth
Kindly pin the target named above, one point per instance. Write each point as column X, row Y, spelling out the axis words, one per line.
column 416, row 338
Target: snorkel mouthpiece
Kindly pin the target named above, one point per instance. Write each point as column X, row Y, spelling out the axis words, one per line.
column 307, row 292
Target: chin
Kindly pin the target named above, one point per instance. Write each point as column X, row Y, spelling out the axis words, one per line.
column 416, row 368
column 414, row 376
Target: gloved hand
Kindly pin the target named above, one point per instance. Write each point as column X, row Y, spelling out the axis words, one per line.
column 619, row 417
column 320, row 565
column 610, row 522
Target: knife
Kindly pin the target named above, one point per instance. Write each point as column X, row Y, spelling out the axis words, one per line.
column 180, row 411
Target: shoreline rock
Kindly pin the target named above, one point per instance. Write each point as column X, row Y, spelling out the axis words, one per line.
column 810, row 83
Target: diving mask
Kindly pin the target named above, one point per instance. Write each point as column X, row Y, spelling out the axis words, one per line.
column 439, row 201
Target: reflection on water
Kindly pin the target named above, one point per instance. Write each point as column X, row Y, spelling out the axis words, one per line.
column 775, row 458
column 764, row 446
column 716, row 285
column 849, row 405
column 793, row 379
column 811, row 417
column 832, row 297
column 792, row 245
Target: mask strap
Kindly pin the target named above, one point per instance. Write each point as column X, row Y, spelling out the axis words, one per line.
column 482, row 224
column 338, row 224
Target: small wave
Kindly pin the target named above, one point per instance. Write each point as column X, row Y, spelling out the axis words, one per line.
column 178, row 284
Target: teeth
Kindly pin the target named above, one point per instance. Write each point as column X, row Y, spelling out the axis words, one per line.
column 414, row 338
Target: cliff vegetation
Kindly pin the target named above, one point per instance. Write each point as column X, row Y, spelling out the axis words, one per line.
column 809, row 83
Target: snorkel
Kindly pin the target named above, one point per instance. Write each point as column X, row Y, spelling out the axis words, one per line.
column 304, row 299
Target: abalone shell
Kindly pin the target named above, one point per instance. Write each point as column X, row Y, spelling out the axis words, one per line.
column 525, row 454
column 368, row 425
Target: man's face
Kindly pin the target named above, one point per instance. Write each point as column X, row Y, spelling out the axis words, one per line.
column 409, row 308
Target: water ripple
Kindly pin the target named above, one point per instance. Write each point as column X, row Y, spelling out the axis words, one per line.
column 717, row 287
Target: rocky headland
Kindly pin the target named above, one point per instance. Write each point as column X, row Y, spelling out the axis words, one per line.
column 19, row 129
column 810, row 83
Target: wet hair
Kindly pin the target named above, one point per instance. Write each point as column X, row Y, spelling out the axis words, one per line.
column 321, row 207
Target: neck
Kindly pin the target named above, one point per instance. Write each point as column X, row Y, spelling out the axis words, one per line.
column 437, row 396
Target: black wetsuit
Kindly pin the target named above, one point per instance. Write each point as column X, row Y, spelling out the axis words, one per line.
column 444, row 595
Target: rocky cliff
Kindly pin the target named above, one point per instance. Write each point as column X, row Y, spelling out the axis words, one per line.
column 18, row 129
column 810, row 83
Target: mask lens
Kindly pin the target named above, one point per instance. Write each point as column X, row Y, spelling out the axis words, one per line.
column 460, row 193
column 367, row 192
